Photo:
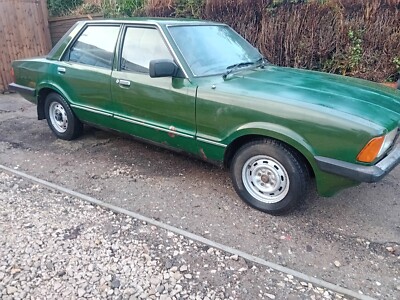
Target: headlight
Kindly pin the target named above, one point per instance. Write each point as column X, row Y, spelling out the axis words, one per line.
column 377, row 147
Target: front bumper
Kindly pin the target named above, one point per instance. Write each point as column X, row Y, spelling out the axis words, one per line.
column 358, row 172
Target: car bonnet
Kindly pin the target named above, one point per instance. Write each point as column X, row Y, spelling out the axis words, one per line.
column 361, row 98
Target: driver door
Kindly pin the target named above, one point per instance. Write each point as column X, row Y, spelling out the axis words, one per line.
column 158, row 109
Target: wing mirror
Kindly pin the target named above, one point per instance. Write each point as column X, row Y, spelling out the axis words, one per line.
column 162, row 68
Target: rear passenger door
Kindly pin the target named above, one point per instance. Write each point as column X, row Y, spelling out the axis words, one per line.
column 83, row 74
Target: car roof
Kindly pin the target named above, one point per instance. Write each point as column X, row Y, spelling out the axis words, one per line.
column 156, row 21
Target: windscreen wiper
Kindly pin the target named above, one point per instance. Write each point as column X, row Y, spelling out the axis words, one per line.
column 234, row 67
column 261, row 61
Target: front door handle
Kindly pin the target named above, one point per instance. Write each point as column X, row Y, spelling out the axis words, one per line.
column 123, row 82
column 61, row 70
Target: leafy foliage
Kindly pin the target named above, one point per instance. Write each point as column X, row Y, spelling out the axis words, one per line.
column 88, row 8
column 348, row 37
column 62, row 7
column 121, row 8
column 355, row 49
column 396, row 62
column 189, row 8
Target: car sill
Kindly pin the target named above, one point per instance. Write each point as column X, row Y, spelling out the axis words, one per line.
column 91, row 109
column 138, row 122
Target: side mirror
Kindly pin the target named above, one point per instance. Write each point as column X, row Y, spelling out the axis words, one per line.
column 162, row 68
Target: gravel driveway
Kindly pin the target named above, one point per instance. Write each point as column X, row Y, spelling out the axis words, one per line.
column 54, row 246
column 351, row 239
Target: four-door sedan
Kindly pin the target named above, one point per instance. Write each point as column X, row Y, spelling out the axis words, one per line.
column 199, row 87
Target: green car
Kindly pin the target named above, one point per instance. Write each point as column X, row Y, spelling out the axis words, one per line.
column 199, row 87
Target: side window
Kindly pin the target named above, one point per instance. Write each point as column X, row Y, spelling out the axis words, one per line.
column 141, row 45
column 95, row 46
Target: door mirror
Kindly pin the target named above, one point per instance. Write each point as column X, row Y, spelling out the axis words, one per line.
column 162, row 68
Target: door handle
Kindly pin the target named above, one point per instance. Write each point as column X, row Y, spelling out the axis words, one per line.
column 123, row 82
column 61, row 70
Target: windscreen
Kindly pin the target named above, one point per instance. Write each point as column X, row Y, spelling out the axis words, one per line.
column 212, row 49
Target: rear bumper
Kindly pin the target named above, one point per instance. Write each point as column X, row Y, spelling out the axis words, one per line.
column 358, row 172
column 22, row 89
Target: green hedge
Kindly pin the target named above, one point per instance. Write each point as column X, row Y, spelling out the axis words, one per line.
column 349, row 37
column 62, row 7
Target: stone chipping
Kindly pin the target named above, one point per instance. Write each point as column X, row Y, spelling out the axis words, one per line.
column 53, row 246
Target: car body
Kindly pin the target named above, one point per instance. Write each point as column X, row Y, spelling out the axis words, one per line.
column 198, row 87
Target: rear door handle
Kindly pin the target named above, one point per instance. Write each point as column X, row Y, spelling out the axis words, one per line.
column 61, row 70
column 123, row 82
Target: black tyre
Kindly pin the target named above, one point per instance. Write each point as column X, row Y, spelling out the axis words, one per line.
column 270, row 176
column 60, row 118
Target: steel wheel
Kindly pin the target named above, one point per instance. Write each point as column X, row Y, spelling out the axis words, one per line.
column 58, row 117
column 270, row 176
column 61, row 118
column 265, row 179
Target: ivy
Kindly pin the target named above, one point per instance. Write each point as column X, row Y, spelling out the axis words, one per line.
column 62, row 7
column 396, row 62
column 276, row 3
column 356, row 50
column 189, row 8
column 121, row 8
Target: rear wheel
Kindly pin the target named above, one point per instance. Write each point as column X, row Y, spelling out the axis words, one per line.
column 270, row 176
column 61, row 118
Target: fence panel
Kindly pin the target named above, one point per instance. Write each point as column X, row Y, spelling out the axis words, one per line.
column 24, row 33
column 60, row 25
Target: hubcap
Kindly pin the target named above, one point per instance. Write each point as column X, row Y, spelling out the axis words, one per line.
column 58, row 117
column 265, row 179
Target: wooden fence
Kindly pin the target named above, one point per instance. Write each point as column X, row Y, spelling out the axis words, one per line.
column 24, row 33
column 60, row 25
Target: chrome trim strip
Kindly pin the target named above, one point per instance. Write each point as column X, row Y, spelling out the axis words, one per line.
column 172, row 50
column 211, row 142
column 121, row 24
column 133, row 121
column 92, row 109
column 78, row 34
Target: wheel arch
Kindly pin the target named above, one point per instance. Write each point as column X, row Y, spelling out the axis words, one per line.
column 279, row 133
column 44, row 91
column 41, row 99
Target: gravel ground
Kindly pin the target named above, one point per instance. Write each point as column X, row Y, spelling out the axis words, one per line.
column 54, row 246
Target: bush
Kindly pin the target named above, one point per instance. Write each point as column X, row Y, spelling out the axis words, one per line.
column 349, row 37
column 62, row 7
column 121, row 8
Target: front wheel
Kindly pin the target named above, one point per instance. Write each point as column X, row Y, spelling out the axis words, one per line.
column 61, row 118
column 270, row 176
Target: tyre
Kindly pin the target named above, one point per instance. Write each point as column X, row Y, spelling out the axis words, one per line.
column 270, row 176
column 60, row 117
